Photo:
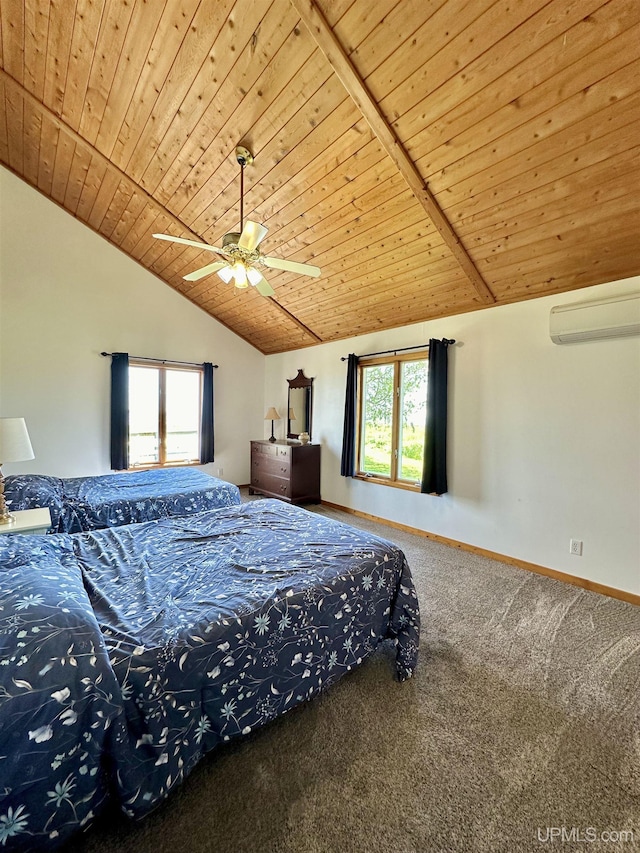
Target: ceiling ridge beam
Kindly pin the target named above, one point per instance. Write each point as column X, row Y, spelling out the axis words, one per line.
column 341, row 64
column 135, row 188
column 298, row 323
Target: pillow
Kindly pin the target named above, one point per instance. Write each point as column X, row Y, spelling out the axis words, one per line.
column 29, row 491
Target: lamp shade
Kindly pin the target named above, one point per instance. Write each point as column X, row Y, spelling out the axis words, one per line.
column 15, row 445
column 272, row 415
column 253, row 275
column 240, row 273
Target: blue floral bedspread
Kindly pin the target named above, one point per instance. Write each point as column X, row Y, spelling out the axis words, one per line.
column 59, row 697
column 93, row 503
column 130, row 652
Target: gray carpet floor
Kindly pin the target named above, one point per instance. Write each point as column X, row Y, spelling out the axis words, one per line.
column 519, row 732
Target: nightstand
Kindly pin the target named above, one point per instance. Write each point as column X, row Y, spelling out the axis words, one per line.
column 28, row 521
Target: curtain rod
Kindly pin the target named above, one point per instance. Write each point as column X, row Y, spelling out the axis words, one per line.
column 161, row 360
column 401, row 349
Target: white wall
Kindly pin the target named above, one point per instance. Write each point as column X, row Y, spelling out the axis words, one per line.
column 544, row 439
column 65, row 296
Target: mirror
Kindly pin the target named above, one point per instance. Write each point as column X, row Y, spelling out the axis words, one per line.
column 300, row 405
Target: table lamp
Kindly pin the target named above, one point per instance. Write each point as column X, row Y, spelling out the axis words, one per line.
column 15, row 446
column 272, row 415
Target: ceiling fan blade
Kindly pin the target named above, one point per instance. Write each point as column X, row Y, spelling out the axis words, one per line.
column 252, row 235
column 264, row 288
column 203, row 271
column 292, row 266
column 185, row 242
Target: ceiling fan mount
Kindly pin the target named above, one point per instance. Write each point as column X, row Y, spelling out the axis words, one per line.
column 231, row 239
column 244, row 156
column 240, row 249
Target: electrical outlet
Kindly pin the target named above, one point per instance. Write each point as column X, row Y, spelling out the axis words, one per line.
column 575, row 547
column 219, row 472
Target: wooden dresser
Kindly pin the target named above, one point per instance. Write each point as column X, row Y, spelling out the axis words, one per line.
column 287, row 471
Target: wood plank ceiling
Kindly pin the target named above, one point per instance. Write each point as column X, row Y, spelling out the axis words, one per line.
column 431, row 156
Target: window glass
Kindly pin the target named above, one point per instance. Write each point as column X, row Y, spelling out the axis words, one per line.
column 392, row 413
column 164, row 415
column 144, row 415
column 413, row 415
column 182, row 415
column 376, row 421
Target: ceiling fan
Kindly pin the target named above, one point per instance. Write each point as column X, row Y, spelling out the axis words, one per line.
column 240, row 249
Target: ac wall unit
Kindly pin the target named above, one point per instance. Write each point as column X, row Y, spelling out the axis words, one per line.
column 616, row 317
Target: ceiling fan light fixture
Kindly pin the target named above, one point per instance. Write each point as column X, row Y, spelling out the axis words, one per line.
column 253, row 275
column 240, row 274
column 226, row 274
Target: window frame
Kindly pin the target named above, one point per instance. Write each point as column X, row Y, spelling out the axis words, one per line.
column 163, row 367
column 396, row 361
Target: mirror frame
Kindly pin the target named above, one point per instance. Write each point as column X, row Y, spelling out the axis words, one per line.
column 300, row 381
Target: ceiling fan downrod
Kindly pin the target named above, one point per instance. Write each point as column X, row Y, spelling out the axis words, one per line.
column 244, row 158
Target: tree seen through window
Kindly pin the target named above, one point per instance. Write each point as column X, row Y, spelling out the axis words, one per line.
column 393, row 400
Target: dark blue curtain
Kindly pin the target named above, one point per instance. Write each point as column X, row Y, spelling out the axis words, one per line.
column 348, row 461
column 119, row 411
column 434, row 471
column 206, row 422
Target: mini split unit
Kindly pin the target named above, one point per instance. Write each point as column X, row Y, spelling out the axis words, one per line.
column 617, row 317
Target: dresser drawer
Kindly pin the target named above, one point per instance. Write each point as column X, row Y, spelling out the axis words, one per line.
column 268, row 450
column 263, row 450
column 270, row 465
column 271, row 484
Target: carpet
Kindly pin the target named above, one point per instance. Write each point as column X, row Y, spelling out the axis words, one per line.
column 519, row 732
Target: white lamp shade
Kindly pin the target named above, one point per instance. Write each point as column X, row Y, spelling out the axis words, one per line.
column 272, row 415
column 240, row 273
column 15, row 445
column 253, row 275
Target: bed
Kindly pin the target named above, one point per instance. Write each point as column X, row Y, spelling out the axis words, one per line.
column 91, row 503
column 128, row 653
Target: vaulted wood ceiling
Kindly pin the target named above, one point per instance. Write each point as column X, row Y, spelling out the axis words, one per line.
column 431, row 156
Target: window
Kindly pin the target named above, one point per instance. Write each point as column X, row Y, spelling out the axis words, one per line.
column 392, row 411
column 165, row 406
